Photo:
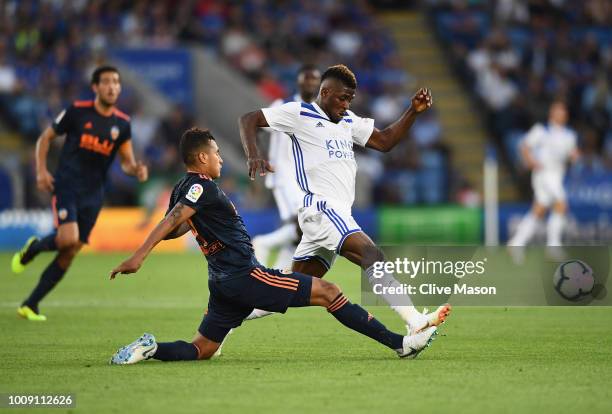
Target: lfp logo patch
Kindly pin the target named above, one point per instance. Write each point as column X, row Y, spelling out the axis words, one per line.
column 194, row 193
column 114, row 132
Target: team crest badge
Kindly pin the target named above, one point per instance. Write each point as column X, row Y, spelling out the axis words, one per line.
column 194, row 193
column 62, row 214
column 114, row 132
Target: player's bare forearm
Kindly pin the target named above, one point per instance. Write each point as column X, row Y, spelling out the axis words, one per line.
column 574, row 156
column 42, row 148
column 177, row 216
column 389, row 137
column 178, row 231
column 44, row 179
column 249, row 124
column 129, row 165
column 528, row 157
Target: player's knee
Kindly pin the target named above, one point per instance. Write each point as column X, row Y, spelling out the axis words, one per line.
column 330, row 291
column 67, row 253
column 538, row 210
column 372, row 255
column 560, row 207
column 67, row 243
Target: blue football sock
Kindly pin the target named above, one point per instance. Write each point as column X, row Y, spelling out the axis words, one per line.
column 176, row 351
column 45, row 244
column 358, row 319
column 49, row 278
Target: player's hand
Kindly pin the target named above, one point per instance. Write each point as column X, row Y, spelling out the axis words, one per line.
column 142, row 172
column 260, row 164
column 44, row 181
column 131, row 265
column 422, row 100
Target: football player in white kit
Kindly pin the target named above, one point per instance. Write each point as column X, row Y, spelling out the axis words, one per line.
column 546, row 150
column 287, row 194
column 322, row 135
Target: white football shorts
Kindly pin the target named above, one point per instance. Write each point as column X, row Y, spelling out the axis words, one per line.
column 325, row 227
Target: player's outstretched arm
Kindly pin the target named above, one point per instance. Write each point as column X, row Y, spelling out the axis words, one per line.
column 129, row 165
column 179, row 231
column 388, row 138
column 44, row 179
column 177, row 216
column 248, row 124
column 530, row 160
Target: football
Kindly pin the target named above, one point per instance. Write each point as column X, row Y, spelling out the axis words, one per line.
column 573, row 280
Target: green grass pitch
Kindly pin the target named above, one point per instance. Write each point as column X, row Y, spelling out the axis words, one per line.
column 489, row 359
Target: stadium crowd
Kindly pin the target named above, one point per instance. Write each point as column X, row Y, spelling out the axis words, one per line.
column 47, row 49
column 517, row 55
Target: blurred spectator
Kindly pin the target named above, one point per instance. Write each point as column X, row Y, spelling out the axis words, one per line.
column 534, row 51
column 48, row 47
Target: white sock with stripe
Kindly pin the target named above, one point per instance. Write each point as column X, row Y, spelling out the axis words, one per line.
column 405, row 310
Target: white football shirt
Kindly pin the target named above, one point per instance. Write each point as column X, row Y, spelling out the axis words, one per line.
column 551, row 146
column 322, row 151
column 279, row 154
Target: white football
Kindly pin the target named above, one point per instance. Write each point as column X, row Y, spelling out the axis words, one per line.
column 573, row 280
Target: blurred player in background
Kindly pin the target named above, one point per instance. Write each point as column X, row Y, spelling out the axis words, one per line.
column 546, row 150
column 236, row 281
column 322, row 135
column 95, row 132
column 287, row 194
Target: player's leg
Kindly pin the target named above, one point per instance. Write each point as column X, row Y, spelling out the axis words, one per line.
column 556, row 222
column 75, row 226
column 312, row 267
column 34, row 245
column 309, row 259
column 361, row 250
column 529, row 224
column 221, row 317
column 276, row 291
column 68, row 245
column 200, row 347
column 287, row 234
column 358, row 319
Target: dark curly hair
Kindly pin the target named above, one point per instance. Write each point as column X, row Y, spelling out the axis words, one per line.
column 342, row 73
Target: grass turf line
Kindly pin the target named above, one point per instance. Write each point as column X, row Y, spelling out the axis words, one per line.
column 491, row 359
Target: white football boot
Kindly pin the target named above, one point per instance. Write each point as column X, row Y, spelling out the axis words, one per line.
column 141, row 349
column 426, row 320
column 413, row 345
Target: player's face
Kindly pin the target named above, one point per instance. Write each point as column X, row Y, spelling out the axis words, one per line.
column 109, row 88
column 336, row 100
column 214, row 161
column 308, row 83
column 558, row 114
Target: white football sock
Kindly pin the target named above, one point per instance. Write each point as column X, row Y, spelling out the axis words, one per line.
column 554, row 229
column 285, row 235
column 525, row 231
column 257, row 313
column 406, row 311
column 285, row 257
